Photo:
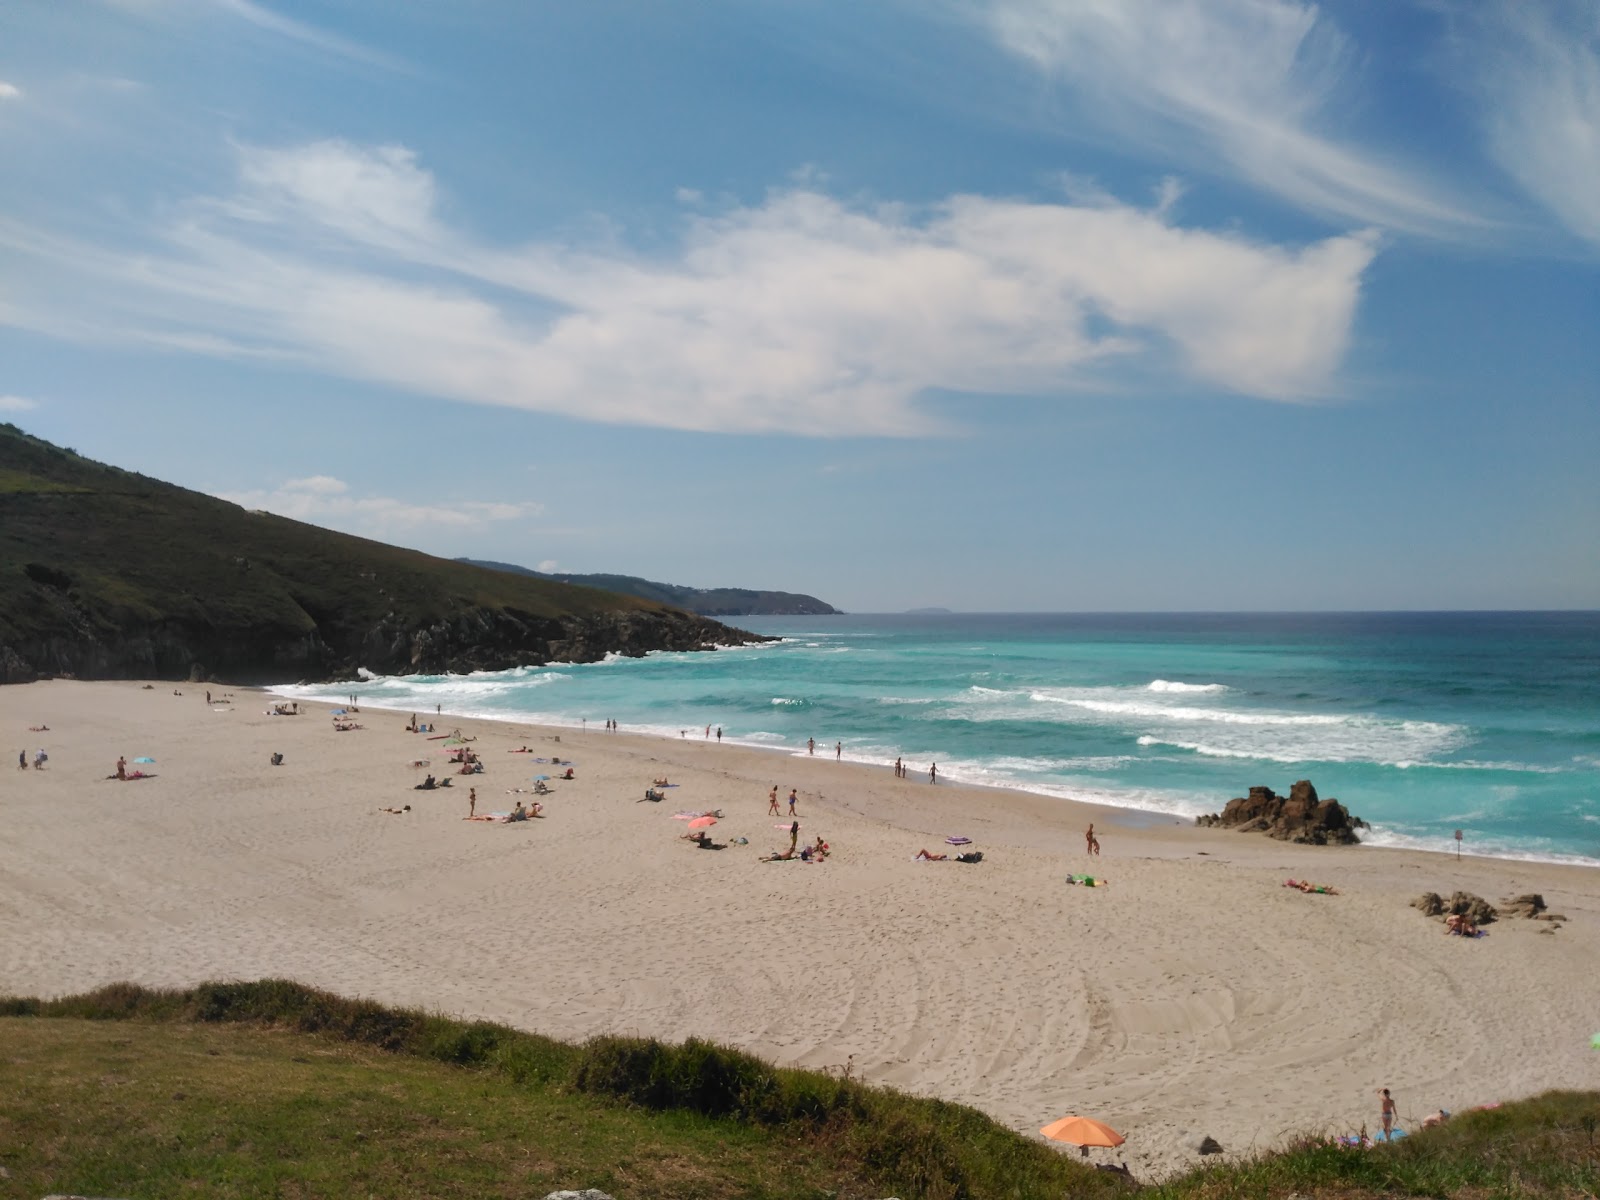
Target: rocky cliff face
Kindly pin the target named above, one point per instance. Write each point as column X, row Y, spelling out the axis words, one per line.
column 473, row 639
column 1297, row 817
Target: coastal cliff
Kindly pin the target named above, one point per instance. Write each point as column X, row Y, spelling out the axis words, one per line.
column 105, row 574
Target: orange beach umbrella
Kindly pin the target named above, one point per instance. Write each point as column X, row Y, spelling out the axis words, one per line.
column 1082, row 1131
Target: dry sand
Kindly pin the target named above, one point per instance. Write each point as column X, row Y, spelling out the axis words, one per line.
column 1193, row 995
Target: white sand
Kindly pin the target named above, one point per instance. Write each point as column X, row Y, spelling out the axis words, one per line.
column 1194, row 995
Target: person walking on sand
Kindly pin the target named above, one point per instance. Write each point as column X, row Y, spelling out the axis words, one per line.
column 838, row 749
column 1387, row 1111
column 933, row 772
column 22, row 760
column 1091, row 844
column 811, row 745
column 793, row 800
column 472, row 802
column 772, row 802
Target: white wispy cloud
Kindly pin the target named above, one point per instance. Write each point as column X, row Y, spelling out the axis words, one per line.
column 262, row 19
column 324, row 499
column 1539, row 66
column 1244, row 86
column 9, row 91
column 799, row 314
column 17, row 404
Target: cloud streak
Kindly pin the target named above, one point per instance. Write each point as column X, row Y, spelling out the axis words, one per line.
column 17, row 404
column 800, row 314
column 1540, row 69
column 1244, row 85
column 324, row 500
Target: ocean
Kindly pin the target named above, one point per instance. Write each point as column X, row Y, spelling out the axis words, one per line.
column 1422, row 723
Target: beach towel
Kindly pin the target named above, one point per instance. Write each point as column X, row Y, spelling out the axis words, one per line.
column 1086, row 880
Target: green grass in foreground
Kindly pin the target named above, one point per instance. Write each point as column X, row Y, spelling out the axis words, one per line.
column 274, row 1089
column 137, row 1093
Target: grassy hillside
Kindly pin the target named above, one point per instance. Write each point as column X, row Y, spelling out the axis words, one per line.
column 107, row 573
column 708, row 602
column 273, row 1089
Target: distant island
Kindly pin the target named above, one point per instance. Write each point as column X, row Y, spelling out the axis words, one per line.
column 105, row 574
column 708, row 602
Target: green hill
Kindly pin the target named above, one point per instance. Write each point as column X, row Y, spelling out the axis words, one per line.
column 108, row 574
column 708, row 602
column 236, row 1090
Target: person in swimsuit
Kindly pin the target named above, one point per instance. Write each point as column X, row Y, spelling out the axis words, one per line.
column 1388, row 1112
column 772, row 802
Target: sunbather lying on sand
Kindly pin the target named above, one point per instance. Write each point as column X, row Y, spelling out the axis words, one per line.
column 406, row 809
column 1461, row 924
column 931, row 857
column 775, row 856
column 1306, row 886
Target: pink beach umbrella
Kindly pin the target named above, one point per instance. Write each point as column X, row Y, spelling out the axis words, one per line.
column 702, row 822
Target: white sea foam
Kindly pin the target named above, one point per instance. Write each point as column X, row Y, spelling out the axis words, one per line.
column 786, row 700
column 1172, row 685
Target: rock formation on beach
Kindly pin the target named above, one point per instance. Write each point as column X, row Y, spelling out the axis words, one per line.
column 1297, row 817
column 105, row 574
column 1475, row 908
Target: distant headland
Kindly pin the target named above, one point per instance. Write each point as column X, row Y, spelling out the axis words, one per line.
column 106, row 574
column 708, row 602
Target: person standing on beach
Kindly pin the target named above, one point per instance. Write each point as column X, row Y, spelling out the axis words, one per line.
column 772, row 802
column 1387, row 1110
column 472, row 802
column 794, row 835
column 1091, row 844
column 838, row 749
column 933, row 772
column 122, row 766
column 811, row 745
column 793, row 800
column 719, row 733
column 899, row 771
column 22, row 760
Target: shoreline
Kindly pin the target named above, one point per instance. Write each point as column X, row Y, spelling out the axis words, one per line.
column 1194, row 995
column 1135, row 815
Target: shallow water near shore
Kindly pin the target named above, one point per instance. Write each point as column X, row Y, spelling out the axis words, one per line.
column 1422, row 723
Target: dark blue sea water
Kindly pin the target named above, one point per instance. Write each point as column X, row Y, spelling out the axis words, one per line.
column 1423, row 723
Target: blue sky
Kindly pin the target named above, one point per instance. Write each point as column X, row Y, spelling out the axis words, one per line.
column 990, row 304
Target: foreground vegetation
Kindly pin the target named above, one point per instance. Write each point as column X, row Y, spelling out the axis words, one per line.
column 274, row 1089
column 139, row 1093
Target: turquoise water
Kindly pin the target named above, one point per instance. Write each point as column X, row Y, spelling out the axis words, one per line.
column 1421, row 723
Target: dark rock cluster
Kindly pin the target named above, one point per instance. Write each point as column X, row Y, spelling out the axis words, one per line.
column 1297, row 817
column 1475, row 908
column 470, row 639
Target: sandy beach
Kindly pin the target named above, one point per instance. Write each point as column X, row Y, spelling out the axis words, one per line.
column 1194, row 995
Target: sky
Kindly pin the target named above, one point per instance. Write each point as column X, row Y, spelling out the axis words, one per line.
column 995, row 305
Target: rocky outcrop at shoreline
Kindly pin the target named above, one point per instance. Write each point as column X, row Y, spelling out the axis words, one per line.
column 471, row 639
column 1298, row 817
